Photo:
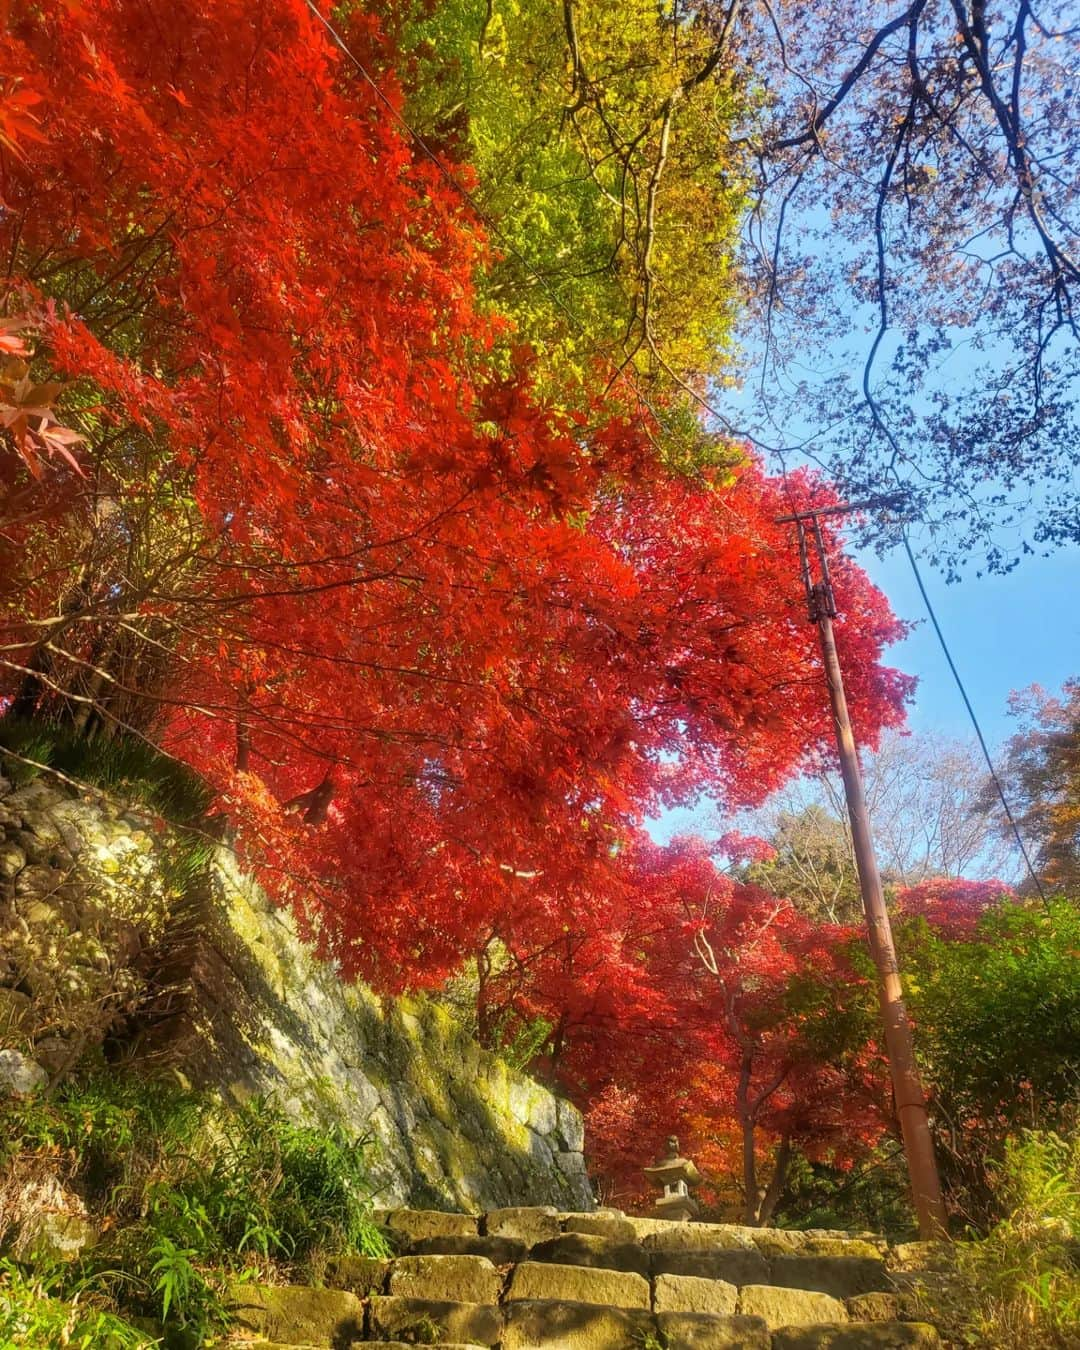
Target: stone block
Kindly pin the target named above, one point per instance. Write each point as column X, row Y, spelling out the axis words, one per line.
column 578, row 1284
column 844, row 1246
column 571, row 1126
column 384, row 1345
column 789, row 1307
column 607, row 1211
column 528, row 1224
column 691, row 1237
column 428, row 1320
column 616, row 1227
column 858, row 1336
column 61, row 1236
column 537, row 1325
column 265, row 1345
column 573, row 1169
column 737, row 1266
column 54, row 1054
column 12, row 859
column 589, row 1249
column 455, row 1279
column 922, row 1256
column 688, row 1293
column 841, row 1276
column 296, row 1315
column 876, row 1308
column 500, row 1251
column 791, row 1242
column 360, row 1275
column 416, row 1224
column 700, row 1331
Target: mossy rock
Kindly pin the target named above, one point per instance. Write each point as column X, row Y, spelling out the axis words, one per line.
column 296, row 1314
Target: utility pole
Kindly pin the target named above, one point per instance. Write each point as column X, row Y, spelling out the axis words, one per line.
column 899, row 1045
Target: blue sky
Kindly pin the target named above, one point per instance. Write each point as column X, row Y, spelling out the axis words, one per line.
column 1005, row 632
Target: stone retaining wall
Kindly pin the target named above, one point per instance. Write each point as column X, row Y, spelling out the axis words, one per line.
column 455, row 1126
column 95, row 947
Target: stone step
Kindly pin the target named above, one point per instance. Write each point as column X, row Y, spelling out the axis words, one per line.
column 548, row 1307
column 840, row 1276
column 424, row 1321
column 594, row 1250
column 369, row 1345
column 458, row 1279
column 550, row 1325
column 533, row 1278
column 541, row 1280
column 735, row 1265
column 296, row 1315
column 500, row 1251
column 541, row 1325
column 842, row 1265
column 788, row 1307
column 274, row 1345
column 858, row 1336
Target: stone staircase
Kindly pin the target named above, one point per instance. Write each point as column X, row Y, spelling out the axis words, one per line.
column 535, row 1279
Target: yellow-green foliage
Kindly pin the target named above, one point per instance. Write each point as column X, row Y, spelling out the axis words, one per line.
column 567, row 136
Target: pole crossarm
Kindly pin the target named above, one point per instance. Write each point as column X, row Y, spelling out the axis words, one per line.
column 882, row 502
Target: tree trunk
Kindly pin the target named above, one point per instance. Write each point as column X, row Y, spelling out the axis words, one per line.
column 777, row 1183
column 24, row 704
column 742, row 1104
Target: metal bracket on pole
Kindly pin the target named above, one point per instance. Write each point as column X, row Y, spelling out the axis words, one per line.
column 820, row 599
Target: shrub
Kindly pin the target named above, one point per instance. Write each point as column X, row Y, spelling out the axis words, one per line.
column 998, row 1029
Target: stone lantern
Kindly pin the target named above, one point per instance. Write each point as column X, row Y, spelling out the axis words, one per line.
column 676, row 1175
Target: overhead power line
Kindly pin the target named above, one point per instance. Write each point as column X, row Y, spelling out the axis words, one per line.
column 998, row 786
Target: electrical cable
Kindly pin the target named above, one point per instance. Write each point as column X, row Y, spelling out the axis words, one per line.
column 935, row 623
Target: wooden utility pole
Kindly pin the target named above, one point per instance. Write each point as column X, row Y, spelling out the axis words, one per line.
column 899, row 1045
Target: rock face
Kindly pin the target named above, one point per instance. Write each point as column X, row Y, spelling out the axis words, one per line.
column 90, row 927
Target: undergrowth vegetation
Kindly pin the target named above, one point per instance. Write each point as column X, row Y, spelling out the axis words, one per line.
column 188, row 1196
column 31, row 1316
column 1022, row 1283
column 122, row 763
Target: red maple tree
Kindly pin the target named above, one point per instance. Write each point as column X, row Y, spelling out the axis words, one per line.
column 437, row 643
